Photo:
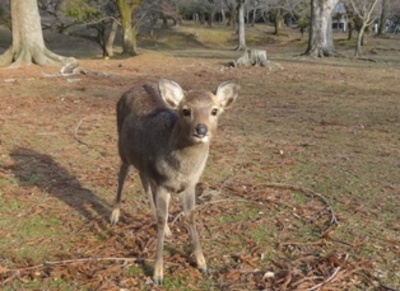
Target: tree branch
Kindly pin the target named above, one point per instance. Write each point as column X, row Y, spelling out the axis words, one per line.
column 330, row 277
column 310, row 193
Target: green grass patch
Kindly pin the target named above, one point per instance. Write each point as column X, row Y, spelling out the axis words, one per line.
column 25, row 235
column 242, row 216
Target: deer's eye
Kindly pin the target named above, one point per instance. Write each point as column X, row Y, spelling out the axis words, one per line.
column 186, row 112
column 214, row 112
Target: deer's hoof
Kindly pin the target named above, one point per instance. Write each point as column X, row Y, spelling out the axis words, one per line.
column 167, row 232
column 204, row 271
column 114, row 216
column 158, row 280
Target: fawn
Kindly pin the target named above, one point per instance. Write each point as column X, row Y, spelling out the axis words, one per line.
column 165, row 133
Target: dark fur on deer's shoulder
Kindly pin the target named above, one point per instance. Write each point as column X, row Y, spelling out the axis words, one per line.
column 132, row 98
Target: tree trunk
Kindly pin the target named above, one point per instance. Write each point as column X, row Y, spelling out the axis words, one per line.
column 202, row 19
column 27, row 38
column 101, row 38
column 383, row 17
column 211, row 16
column 359, row 43
column 223, row 16
column 329, row 34
column 319, row 44
column 277, row 20
column 129, row 46
column 254, row 14
column 111, row 38
column 350, row 28
column 241, row 29
column 364, row 39
column 232, row 17
column 364, row 22
column 164, row 22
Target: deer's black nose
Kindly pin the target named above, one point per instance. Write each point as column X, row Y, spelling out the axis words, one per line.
column 201, row 130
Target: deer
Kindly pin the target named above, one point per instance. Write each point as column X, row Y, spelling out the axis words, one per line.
column 164, row 132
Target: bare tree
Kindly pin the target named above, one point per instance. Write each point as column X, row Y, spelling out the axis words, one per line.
column 320, row 41
column 100, row 15
column 27, row 38
column 364, row 11
column 278, row 14
column 53, row 16
column 283, row 9
column 383, row 16
column 241, row 27
column 232, row 15
column 164, row 9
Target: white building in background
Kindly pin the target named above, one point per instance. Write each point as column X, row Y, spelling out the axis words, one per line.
column 339, row 18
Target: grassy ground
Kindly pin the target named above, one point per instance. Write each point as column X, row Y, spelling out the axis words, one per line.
column 308, row 140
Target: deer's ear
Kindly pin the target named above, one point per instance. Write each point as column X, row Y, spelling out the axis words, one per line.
column 171, row 92
column 227, row 92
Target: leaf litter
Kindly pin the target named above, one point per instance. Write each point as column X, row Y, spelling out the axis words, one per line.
column 302, row 265
column 256, row 236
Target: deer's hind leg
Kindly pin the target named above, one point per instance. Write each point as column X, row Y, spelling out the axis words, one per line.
column 123, row 171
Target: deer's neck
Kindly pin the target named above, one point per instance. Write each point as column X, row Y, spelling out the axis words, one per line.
column 186, row 152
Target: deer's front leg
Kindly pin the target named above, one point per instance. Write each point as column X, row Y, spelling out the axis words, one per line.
column 148, row 189
column 161, row 198
column 188, row 204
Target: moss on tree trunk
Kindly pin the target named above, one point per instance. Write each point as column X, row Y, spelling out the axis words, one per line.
column 129, row 46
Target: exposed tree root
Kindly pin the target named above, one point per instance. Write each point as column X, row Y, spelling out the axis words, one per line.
column 319, row 53
column 366, row 59
column 76, row 132
column 308, row 192
column 333, row 220
column 33, row 55
column 6, row 58
column 77, row 128
column 79, row 260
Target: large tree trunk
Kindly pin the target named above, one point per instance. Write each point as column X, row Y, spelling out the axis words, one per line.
column 278, row 19
column 241, row 29
column 319, row 42
column 383, row 17
column 111, row 38
column 27, row 38
column 129, row 46
column 254, row 14
column 232, row 17
column 211, row 15
column 223, row 16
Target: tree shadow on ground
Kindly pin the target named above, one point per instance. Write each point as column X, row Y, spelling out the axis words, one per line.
column 32, row 168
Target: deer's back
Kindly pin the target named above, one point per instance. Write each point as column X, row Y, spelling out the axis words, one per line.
column 144, row 125
column 141, row 102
